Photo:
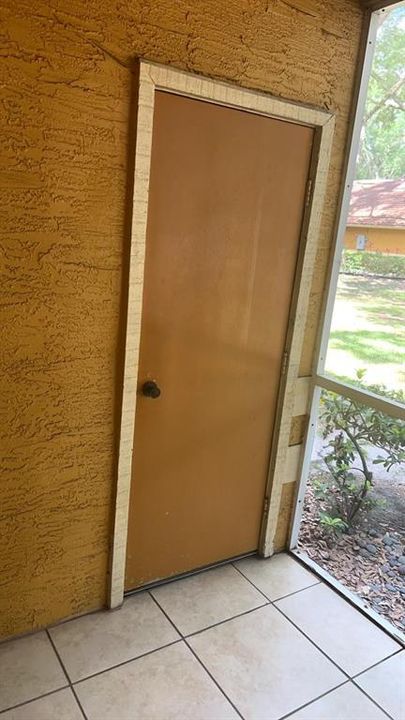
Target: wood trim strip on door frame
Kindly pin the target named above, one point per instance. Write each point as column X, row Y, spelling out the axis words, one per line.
column 154, row 77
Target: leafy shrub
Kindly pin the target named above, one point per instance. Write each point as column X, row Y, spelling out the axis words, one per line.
column 320, row 486
column 372, row 263
column 332, row 525
column 349, row 427
column 352, row 262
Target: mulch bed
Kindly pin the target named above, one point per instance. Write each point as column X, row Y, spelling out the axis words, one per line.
column 370, row 558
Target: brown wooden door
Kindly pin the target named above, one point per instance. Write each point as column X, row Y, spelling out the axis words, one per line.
column 227, row 191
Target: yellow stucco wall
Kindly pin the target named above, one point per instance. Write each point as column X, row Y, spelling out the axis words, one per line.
column 68, row 83
column 385, row 240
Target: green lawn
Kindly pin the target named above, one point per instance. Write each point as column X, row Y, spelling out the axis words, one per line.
column 368, row 331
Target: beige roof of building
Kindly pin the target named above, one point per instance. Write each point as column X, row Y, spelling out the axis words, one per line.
column 378, row 203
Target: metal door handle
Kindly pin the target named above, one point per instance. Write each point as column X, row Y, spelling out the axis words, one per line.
column 151, row 389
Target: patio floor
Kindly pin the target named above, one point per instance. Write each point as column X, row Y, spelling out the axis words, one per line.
column 258, row 639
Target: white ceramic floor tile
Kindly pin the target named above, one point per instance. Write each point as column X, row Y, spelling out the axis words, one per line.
column 207, row 598
column 276, row 576
column 343, row 633
column 96, row 642
column 265, row 666
column 344, row 703
column 385, row 683
column 28, row 668
column 61, row 705
column 169, row 684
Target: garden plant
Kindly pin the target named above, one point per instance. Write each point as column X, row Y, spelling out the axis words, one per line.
column 350, row 428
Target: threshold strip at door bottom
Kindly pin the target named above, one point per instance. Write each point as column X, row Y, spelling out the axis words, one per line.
column 180, row 576
column 352, row 598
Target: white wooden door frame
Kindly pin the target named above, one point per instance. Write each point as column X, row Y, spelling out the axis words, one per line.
column 154, row 77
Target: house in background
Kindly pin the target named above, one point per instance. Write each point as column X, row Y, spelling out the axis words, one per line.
column 376, row 221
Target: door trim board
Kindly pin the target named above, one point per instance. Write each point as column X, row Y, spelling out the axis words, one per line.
column 154, row 77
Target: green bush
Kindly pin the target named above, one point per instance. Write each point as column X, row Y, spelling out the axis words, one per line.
column 349, row 427
column 333, row 526
column 372, row 263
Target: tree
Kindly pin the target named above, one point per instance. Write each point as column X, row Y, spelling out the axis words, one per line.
column 382, row 146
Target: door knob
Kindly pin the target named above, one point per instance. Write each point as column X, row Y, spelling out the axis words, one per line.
column 150, row 389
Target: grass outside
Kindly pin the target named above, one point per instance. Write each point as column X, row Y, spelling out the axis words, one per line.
column 368, row 331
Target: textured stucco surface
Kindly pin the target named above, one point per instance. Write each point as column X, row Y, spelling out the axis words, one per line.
column 67, row 84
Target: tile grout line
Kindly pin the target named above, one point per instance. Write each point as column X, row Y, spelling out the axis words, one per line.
column 312, row 642
column 37, row 697
column 373, row 700
column 223, row 622
column 78, row 702
column 168, row 618
column 212, row 678
column 271, row 603
column 341, row 590
column 197, row 658
column 318, row 582
column 251, row 582
column 319, row 697
column 126, row 662
column 66, row 674
column 349, row 677
column 329, row 692
column 397, row 652
column 295, row 592
column 282, row 597
column 362, row 672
